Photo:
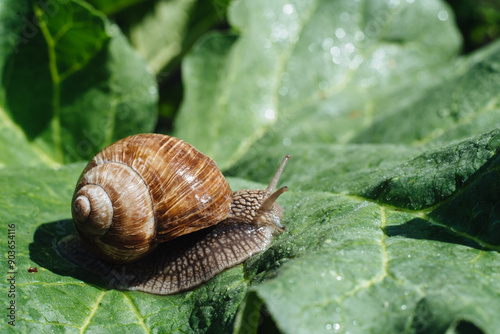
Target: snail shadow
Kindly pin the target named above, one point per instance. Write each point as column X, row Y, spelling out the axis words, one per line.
column 44, row 252
column 421, row 229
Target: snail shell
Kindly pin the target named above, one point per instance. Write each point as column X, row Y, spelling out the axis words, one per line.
column 154, row 192
column 144, row 190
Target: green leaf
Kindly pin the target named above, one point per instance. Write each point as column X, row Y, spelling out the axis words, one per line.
column 163, row 31
column 110, row 7
column 392, row 221
column 320, row 63
column 62, row 298
column 64, row 92
column 166, row 30
column 356, row 264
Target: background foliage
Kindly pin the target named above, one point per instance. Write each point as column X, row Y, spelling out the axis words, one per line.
column 390, row 110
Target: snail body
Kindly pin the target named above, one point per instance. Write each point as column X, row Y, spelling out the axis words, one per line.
column 156, row 215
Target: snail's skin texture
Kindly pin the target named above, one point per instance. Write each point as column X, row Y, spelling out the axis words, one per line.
column 153, row 214
column 184, row 263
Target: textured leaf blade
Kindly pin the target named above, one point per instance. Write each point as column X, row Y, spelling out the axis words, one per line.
column 365, row 268
column 62, row 297
column 310, row 63
column 379, row 239
column 80, row 98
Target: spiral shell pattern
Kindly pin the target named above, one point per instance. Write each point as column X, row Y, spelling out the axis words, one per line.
column 143, row 190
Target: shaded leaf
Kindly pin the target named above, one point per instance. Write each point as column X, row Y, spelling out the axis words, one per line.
column 79, row 97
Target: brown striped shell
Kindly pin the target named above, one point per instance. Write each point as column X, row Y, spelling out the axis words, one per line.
column 153, row 190
column 143, row 190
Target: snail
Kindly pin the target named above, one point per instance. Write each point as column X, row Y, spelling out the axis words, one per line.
column 156, row 215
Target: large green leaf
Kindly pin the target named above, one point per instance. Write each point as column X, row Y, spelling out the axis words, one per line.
column 167, row 29
column 162, row 31
column 317, row 68
column 366, row 263
column 71, row 84
column 392, row 215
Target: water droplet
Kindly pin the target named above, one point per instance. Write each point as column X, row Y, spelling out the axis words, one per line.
column 312, row 47
column 340, row 33
column 444, row 112
column 269, row 14
column 403, row 307
column 443, row 15
column 339, row 278
column 379, row 54
column 270, row 114
column 328, row 327
column 407, row 293
column 355, row 62
column 336, row 59
column 349, row 47
column 152, row 90
column 288, row 9
column 355, row 322
column 336, row 326
column 359, row 36
column 345, row 16
column 279, row 32
column 409, row 255
column 327, row 44
column 287, row 141
column 394, row 3
column 335, row 51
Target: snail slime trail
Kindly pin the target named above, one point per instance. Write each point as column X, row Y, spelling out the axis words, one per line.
column 154, row 214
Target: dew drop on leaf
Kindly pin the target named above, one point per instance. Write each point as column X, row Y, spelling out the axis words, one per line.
column 283, row 91
column 443, row 15
column 288, row 9
column 327, row 44
column 287, row 141
column 340, row 33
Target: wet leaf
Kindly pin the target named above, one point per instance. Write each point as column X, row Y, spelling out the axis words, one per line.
column 392, row 214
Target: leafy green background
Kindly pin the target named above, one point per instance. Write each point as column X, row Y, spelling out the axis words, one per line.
column 393, row 222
